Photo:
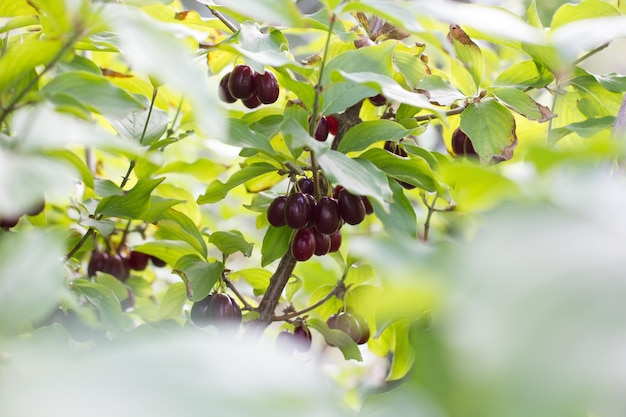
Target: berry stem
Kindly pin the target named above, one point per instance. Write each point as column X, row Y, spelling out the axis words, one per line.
column 222, row 19
column 235, row 291
column 451, row 112
column 431, row 210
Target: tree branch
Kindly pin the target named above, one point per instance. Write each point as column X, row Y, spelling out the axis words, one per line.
column 274, row 290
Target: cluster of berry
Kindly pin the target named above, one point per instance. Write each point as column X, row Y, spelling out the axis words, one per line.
column 317, row 222
column 252, row 88
column 218, row 309
column 120, row 264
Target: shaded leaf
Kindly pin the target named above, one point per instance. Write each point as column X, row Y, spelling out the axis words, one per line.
column 586, row 129
column 22, row 58
column 364, row 134
column 173, row 301
column 217, row 190
column 103, row 298
column 439, row 91
column 491, row 128
column 132, row 204
column 282, row 12
column 400, row 218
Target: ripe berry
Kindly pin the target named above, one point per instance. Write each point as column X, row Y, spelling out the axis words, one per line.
column 200, row 312
column 303, row 244
column 276, row 211
column 352, row 324
column 351, row 207
column 224, row 311
column 297, row 211
column 138, row 261
column 117, row 266
column 335, row 241
column 223, row 92
column 321, row 132
column 333, row 125
column 326, row 216
column 322, row 243
column 302, row 338
column 368, row 206
column 365, row 329
column 251, row 102
column 378, row 100
column 241, row 82
column 306, row 185
column 157, row 261
column 266, row 87
column 285, row 342
column 336, row 190
column 9, row 222
column 97, row 262
column 461, row 144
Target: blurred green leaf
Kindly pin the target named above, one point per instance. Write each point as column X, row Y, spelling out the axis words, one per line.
column 156, row 208
column 399, row 218
column 585, row 129
column 104, row 299
column 132, row 125
column 439, row 91
column 282, row 12
column 20, row 59
column 217, row 190
column 231, row 242
column 586, row 9
column 293, row 286
column 114, row 284
column 95, row 91
column 133, row 203
column 524, row 74
column 169, row 251
column 173, row 301
column 403, row 353
column 257, row 278
column 76, row 162
column 364, row 134
column 348, row 348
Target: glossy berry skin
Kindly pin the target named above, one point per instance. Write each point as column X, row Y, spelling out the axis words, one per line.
column 333, row 125
column 335, row 241
column 117, row 266
column 266, row 87
column 297, row 211
column 276, row 211
column 321, row 132
column 351, row 324
column 97, row 262
column 336, row 190
column 365, row 329
column 251, row 102
column 461, row 144
column 322, row 243
column 303, row 244
column 224, row 311
column 378, row 100
column 241, row 82
column 306, row 185
column 368, row 206
column 223, row 92
column 200, row 312
column 326, row 216
column 351, row 207
column 302, row 339
column 138, row 261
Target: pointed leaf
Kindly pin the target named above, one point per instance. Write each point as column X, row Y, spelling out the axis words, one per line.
column 400, row 218
column 242, row 136
column 524, row 74
column 491, row 128
column 275, row 244
column 586, row 9
column 231, row 242
column 364, row 134
column 173, row 301
column 22, row 58
column 181, row 227
column 132, row 126
column 341, row 339
column 217, row 190
column 131, row 205
column 169, row 251
column 467, row 52
column 105, row 301
column 523, row 104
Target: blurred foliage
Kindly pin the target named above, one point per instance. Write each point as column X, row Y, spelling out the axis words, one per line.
column 490, row 280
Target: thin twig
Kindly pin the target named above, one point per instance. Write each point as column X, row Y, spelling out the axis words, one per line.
column 235, row 291
column 431, row 210
column 318, row 85
column 222, row 19
column 451, row 112
column 591, row 53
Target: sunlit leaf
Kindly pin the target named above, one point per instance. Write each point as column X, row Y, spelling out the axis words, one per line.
column 348, row 348
column 198, row 274
column 491, row 128
column 231, row 242
column 364, row 134
column 217, row 190
column 523, row 104
column 275, row 244
column 105, row 301
column 133, row 203
column 467, row 52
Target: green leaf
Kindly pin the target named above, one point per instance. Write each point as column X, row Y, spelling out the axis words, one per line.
column 54, row 16
column 24, row 57
column 198, row 275
column 131, row 205
column 586, row 9
column 364, row 134
column 231, row 242
column 104, row 299
column 358, row 176
column 173, row 301
column 132, row 125
column 376, row 59
column 586, row 129
column 596, row 100
column 282, row 12
column 293, row 286
column 587, row 34
column 467, row 52
column 203, row 169
column 169, row 251
column 524, row 74
column 156, row 208
column 415, row 171
column 16, row 8
column 32, row 282
column 400, row 218
column 76, row 162
column 257, row 278
column 242, row 136
column 348, row 348
column 491, row 128
column 275, row 244
column 439, row 91
column 104, row 227
column 403, row 353
column 341, row 95
column 392, row 12
column 107, row 188
column 181, row 227
column 523, row 104
column 411, row 67
column 114, row 284
column 217, row 190
column 94, row 91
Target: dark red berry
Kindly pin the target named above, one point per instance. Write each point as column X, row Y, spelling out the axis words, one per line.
column 285, row 342
column 224, row 311
column 333, row 125
column 138, row 261
column 461, row 144
column 9, row 222
column 368, row 206
column 251, row 102
column 322, row 243
column 378, row 100
column 241, row 82
column 97, row 262
column 200, row 312
column 306, row 185
column 335, row 241
column 302, row 339
column 223, row 92
column 326, row 216
column 266, row 87
column 336, row 190
column 276, row 211
column 128, row 302
column 364, row 327
column 321, row 132
column 158, row 262
column 117, row 266
column 303, row 244
column 351, row 207
column 297, row 210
